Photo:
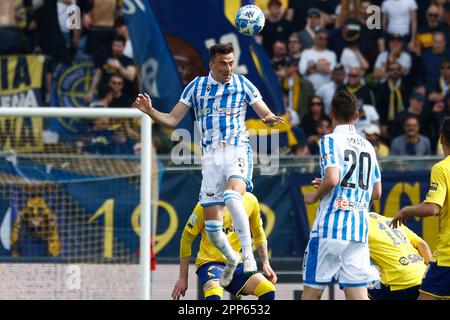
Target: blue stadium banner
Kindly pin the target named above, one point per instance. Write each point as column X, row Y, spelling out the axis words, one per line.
column 159, row 76
column 20, row 86
column 70, row 84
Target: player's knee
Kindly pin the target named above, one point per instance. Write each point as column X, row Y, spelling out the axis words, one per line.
column 265, row 290
column 213, row 293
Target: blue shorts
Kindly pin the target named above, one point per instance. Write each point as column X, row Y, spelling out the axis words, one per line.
column 437, row 281
column 213, row 270
column 384, row 293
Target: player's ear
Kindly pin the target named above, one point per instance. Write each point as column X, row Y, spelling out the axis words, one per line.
column 356, row 115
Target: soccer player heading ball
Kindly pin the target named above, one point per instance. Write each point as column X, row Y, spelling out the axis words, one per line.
column 220, row 101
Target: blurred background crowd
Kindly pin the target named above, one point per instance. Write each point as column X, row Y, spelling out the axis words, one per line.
column 398, row 66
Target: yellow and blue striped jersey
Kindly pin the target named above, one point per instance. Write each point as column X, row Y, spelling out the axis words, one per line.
column 394, row 252
column 439, row 193
column 208, row 252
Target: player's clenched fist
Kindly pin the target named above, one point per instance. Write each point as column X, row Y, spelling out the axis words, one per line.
column 144, row 103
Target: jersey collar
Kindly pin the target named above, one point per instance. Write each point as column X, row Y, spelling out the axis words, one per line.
column 345, row 128
column 212, row 81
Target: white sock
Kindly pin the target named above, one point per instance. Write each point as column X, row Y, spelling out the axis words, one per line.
column 233, row 201
column 218, row 238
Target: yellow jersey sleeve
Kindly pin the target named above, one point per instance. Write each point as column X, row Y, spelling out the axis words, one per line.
column 256, row 227
column 438, row 187
column 413, row 238
column 191, row 230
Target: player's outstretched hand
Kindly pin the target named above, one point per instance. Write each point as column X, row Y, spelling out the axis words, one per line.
column 316, row 182
column 179, row 289
column 144, row 103
column 399, row 218
column 267, row 269
column 271, row 120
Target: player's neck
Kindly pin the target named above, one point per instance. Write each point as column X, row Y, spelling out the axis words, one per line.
column 222, row 81
column 338, row 123
column 446, row 151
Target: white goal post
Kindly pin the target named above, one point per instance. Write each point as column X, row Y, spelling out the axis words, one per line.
column 145, row 165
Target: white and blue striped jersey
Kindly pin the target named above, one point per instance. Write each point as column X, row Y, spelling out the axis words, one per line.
column 220, row 108
column 342, row 214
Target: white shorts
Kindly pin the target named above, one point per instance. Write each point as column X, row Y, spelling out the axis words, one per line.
column 219, row 165
column 346, row 262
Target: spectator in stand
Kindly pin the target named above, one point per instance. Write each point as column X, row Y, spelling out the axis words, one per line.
column 295, row 46
column 116, row 81
column 351, row 56
column 368, row 115
column 9, row 32
column 440, row 111
column 326, row 92
column 100, row 21
column 276, row 27
column 312, row 119
column 300, row 149
column 308, row 34
column 400, row 17
column 395, row 54
column 355, row 85
column 117, row 63
column 442, row 84
column 411, row 143
column 121, row 29
column 323, row 128
column 297, row 13
column 105, row 97
column 279, row 56
column 391, row 97
column 297, row 91
column 347, row 9
column 49, row 34
column 446, row 20
column 372, row 133
column 341, row 37
column 431, row 61
column 317, row 63
column 424, row 37
column 71, row 37
column 372, row 41
column 415, row 108
column 327, row 11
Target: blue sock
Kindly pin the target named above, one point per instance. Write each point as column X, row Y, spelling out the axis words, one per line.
column 267, row 296
column 213, row 297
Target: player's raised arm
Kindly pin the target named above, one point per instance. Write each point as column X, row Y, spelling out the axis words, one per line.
column 144, row 103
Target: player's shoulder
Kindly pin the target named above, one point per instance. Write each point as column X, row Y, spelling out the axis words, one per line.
column 374, row 216
column 442, row 166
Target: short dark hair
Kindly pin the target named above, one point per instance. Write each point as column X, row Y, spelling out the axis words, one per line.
column 411, row 116
column 120, row 21
column 445, row 131
column 119, row 38
column 344, row 106
column 104, row 90
column 219, row 48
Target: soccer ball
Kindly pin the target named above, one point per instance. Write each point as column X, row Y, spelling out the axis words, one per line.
column 250, row 20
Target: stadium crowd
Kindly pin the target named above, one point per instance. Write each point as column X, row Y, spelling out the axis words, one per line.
column 399, row 70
